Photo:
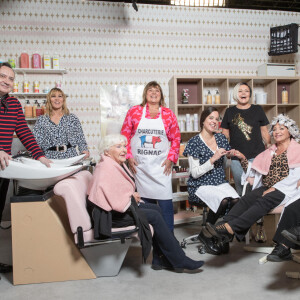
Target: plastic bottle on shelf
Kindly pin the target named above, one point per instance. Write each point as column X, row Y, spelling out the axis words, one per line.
column 55, row 61
column 28, row 109
column 284, row 96
column 47, row 61
column 217, row 97
column 209, row 98
column 34, row 107
column 188, row 122
column 39, row 110
column 43, row 107
column 16, row 87
column 12, row 62
column 36, row 61
column 196, row 122
column 24, row 60
column 36, row 87
column 25, row 87
column 58, row 84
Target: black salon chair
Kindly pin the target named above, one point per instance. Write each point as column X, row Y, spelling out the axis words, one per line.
column 193, row 239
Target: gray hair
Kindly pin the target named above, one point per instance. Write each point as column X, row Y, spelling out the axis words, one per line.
column 235, row 92
column 111, row 140
column 288, row 123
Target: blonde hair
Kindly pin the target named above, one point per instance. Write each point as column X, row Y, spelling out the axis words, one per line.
column 49, row 108
column 111, row 140
column 148, row 86
column 235, row 92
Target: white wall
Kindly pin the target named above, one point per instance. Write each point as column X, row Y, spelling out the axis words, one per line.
column 104, row 43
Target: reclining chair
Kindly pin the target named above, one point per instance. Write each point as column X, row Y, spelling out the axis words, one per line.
column 53, row 239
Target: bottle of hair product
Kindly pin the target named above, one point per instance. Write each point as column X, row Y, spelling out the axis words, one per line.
column 36, row 61
column 188, row 122
column 25, row 87
column 16, row 87
column 217, row 97
column 28, row 109
column 47, row 61
column 24, row 60
column 209, row 98
column 34, row 107
column 284, row 96
column 39, row 110
column 36, row 87
column 58, row 84
column 55, row 61
column 44, row 107
column 196, row 122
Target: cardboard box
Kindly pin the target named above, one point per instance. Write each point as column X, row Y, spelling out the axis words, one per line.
column 278, row 70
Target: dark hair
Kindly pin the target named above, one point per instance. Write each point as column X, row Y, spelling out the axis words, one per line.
column 207, row 111
column 6, row 64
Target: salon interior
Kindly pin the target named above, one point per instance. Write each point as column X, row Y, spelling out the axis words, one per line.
column 102, row 54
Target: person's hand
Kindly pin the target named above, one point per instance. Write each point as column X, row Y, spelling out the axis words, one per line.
column 168, row 167
column 132, row 163
column 218, row 154
column 250, row 180
column 271, row 189
column 239, row 155
column 4, row 158
column 45, row 161
column 136, row 197
column 87, row 154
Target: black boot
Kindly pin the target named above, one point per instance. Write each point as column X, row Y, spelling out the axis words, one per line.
column 210, row 242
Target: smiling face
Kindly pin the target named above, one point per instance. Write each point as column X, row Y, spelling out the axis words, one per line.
column 243, row 95
column 281, row 133
column 117, row 152
column 210, row 124
column 57, row 100
column 7, row 77
column 153, row 95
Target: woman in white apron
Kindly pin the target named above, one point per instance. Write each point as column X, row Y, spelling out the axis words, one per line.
column 153, row 146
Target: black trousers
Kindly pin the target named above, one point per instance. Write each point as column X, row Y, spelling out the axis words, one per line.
column 3, row 191
column 163, row 240
column 251, row 208
column 290, row 218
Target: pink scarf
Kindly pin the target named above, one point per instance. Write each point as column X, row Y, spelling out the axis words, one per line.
column 262, row 161
column 111, row 188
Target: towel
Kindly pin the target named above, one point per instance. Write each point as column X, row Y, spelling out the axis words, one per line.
column 262, row 161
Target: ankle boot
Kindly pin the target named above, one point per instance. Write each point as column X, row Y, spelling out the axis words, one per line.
column 188, row 264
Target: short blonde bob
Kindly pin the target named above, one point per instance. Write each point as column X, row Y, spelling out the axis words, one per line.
column 111, row 140
column 235, row 92
column 49, row 108
column 150, row 85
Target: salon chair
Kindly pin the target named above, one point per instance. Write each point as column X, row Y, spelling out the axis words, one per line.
column 53, row 238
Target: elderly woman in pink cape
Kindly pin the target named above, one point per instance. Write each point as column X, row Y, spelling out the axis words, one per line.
column 274, row 174
column 113, row 190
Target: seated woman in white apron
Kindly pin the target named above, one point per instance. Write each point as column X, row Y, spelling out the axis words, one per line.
column 207, row 182
column 150, row 128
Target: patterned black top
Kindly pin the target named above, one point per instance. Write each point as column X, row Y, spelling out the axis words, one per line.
column 68, row 130
column 198, row 149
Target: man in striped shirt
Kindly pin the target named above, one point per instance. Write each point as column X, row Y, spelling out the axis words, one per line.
column 12, row 120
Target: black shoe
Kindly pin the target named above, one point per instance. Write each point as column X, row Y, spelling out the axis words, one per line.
column 161, row 263
column 280, row 253
column 188, row 264
column 219, row 230
column 224, row 248
column 4, row 268
column 293, row 235
column 210, row 242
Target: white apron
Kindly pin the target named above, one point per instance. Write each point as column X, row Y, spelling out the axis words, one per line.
column 150, row 148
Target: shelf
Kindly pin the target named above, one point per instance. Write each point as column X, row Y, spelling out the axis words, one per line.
column 180, row 196
column 186, row 216
column 39, row 71
column 30, row 119
column 180, row 175
column 189, row 105
column 31, row 94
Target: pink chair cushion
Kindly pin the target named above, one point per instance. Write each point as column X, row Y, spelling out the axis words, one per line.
column 74, row 190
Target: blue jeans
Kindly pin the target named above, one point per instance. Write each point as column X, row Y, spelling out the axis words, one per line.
column 237, row 172
column 166, row 210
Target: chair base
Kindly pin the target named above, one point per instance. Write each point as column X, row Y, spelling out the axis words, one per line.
column 106, row 259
